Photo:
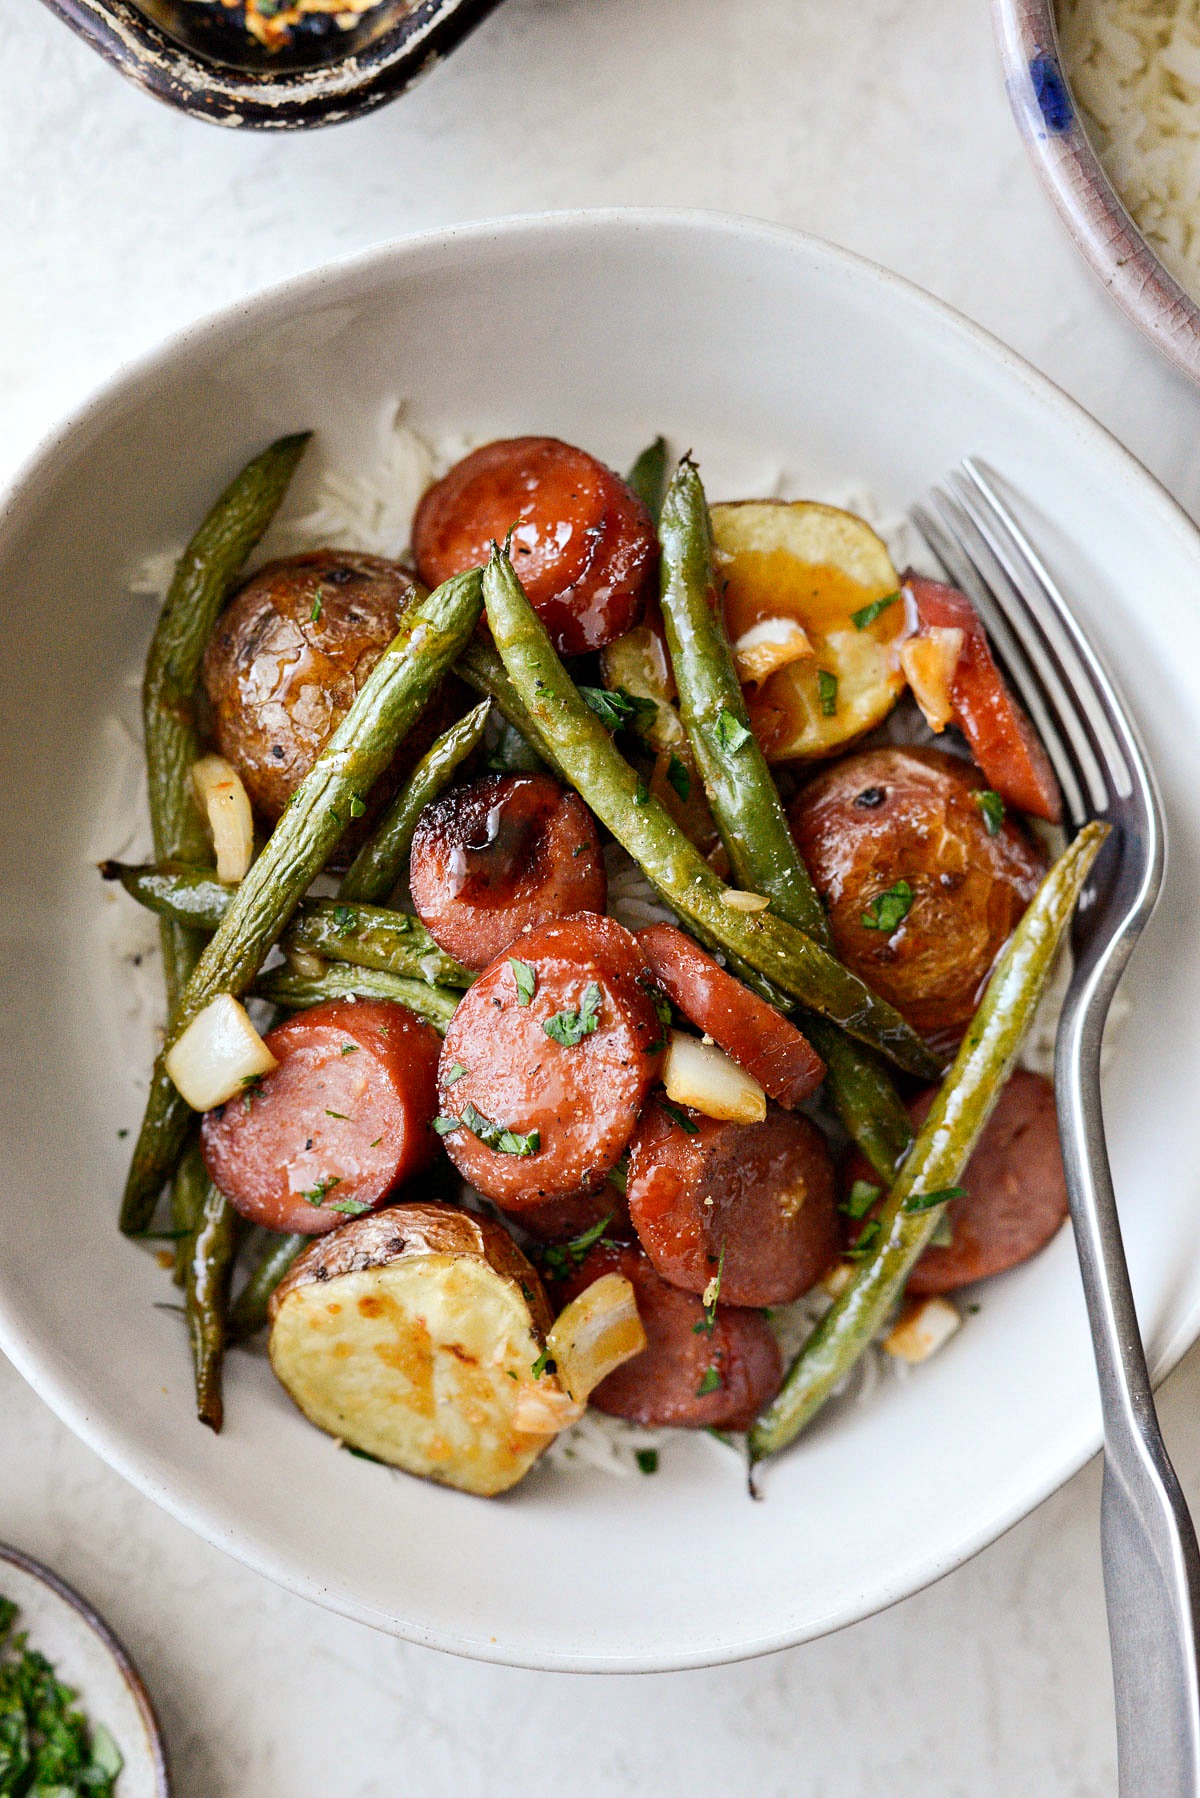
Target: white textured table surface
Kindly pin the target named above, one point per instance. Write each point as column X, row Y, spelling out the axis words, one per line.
column 880, row 125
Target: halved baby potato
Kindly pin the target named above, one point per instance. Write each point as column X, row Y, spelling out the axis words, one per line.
column 413, row 1334
column 816, row 566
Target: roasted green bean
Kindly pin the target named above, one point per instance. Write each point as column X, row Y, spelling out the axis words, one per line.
column 431, row 635
column 942, row 1147
column 759, row 944
column 481, row 668
column 248, row 1313
column 383, row 858
column 210, row 1246
column 295, row 991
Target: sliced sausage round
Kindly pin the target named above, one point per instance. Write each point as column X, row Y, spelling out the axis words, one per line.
column 582, row 542
column 750, row 1031
column 687, row 1376
column 547, row 1061
column 558, row 1220
column 500, row 856
column 337, row 1126
column 1016, row 1190
column 754, row 1202
column 922, row 896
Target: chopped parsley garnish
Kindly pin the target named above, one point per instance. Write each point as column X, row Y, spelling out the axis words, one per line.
column 619, row 709
column 868, row 614
column 711, row 1382
column 348, row 1207
column 827, row 692
column 499, row 1136
column 349, row 1048
column 47, row 1745
column 251, row 1086
column 925, row 1201
column 377, row 1142
column 357, row 806
column 642, row 793
column 679, row 778
column 345, row 919
column 865, row 1241
column 618, row 1174
column 731, row 732
column 992, row 807
column 712, row 1293
column 444, row 1125
column 343, row 1116
column 361, row 1454
column 456, row 1072
column 316, row 604
column 122, row 1134
column 525, row 978
column 570, row 1027
column 887, row 910
column 662, row 1010
column 543, row 1364
column 647, row 1459
column 859, row 1200
column 564, row 1256
column 316, row 1194
column 679, row 1117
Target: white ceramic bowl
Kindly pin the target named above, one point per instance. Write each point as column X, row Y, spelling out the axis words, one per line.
column 758, row 348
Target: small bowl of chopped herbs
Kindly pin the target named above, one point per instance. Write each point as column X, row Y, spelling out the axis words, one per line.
column 273, row 65
column 76, row 1720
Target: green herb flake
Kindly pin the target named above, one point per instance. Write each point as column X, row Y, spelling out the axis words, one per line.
column 868, row 614
column 121, row 1135
column 679, row 779
column 543, row 1364
column 711, row 1382
column 444, row 1125
column 618, row 1174
column 570, row 1027
column 647, row 1459
column 361, row 1454
column 888, row 910
column 348, row 1207
column 377, row 1142
column 712, row 1293
column 992, row 807
column 561, row 1260
column 685, row 1123
column 455, row 1072
column 316, row 604
column 345, row 919
column 731, row 732
column 641, row 794
column 619, row 709
column 859, row 1200
column 525, row 978
column 350, row 1048
column 498, row 1136
column 357, row 806
column 865, row 1241
column 315, row 1195
column 48, row 1749
column 827, row 692
column 925, row 1201
column 342, row 1116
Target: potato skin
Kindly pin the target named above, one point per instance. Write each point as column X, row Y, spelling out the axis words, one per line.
column 279, row 679
column 892, row 815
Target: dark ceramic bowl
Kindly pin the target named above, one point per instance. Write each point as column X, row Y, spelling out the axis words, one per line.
column 214, row 70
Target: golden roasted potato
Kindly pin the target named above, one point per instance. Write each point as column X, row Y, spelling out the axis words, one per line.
column 788, row 563
column 413, row 1334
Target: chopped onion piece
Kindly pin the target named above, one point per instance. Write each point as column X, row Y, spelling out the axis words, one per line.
column 545, row 1409
column 923, row 1327
column 225, row 806
column 835, row 1279
column 770, row 644
column 739, row 901
column 219, row 1055
column 929, row 661
column 703, row 1076
column 305, row 963
column 595, row 1333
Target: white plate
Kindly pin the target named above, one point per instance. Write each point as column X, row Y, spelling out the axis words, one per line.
column 758, row 348
column 87, row 1656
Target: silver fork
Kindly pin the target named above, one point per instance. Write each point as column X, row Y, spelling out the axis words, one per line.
column 1148, row 1545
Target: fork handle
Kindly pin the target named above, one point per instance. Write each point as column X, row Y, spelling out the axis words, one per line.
column 1148, row 1545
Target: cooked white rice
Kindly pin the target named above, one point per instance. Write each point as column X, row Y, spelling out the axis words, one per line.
column 1134, row 68
column 369, row 506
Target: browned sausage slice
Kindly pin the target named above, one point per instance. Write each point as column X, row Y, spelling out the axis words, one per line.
column 1016, row 1190
column 749, row 1030
column 558, row 1220
column 761, row 1194
column 337, row 1126
column 547, row 1062
column 686, row 1376
column 500, row 856
column 922, row 895
column 583, row 543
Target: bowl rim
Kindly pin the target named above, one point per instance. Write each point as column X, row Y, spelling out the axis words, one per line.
column 326, row 93
column 1071, row 173
column 52, row 1381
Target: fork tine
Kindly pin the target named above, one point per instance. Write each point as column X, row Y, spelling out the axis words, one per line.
column 958, row 564
column 1069, row 663
column 1112, row 721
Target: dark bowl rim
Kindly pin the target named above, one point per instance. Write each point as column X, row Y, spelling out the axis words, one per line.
column 1071, row 173
column 324, row 93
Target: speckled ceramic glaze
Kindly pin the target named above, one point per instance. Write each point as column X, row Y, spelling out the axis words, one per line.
column 1086, row 200
column 373, row 63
